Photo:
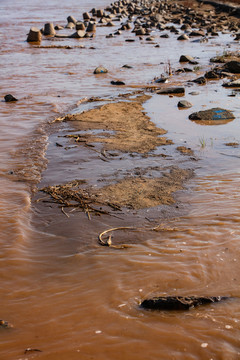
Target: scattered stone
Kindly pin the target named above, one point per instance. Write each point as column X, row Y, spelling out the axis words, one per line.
column 49, row 29
column 34, row 35
column 212, row 74
column 110, row 23
column 183, row 37
column 186, row 58
column 164, row 36
column 201, row 80
column 127, row 66
column 172, row 91
column 234, row 83
column 214, row 114
column 100, row 70
column 179, row 302
column 194, row 93
column 129, row 40
column 117, row 82
column 184, row 104
column 184, row 150
column 10, row 98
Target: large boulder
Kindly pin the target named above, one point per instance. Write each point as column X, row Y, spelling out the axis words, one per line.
column 214, row 114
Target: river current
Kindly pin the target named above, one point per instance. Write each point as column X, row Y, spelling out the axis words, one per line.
column 64, row 294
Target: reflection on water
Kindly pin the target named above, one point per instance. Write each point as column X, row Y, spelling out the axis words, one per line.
column 65, row 295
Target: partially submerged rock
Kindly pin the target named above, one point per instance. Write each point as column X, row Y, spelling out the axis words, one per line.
column 232, row 67
column 184, row 104
column 5, row 324
column 232, row 84
column 10, row 98
column 176, row 90
column 179, row 302
column 100, row 70
column 214, row 114
column 117, row 82
column 49, row 29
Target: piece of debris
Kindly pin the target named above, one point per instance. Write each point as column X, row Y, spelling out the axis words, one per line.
column 179, row 302
column 5, row 324
column 184, row 104
column 28, row 350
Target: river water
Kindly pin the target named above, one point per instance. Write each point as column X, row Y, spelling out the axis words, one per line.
column 65, row 295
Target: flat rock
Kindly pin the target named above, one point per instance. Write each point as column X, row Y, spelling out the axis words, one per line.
column 235, row 83
column 172, row 91
column 10, row 98
column 100, row 70
column 200, row 80
column 179, row 302
column 214, row 114
column 184, row 104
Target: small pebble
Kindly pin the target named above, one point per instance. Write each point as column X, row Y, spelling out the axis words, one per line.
column 204, row 345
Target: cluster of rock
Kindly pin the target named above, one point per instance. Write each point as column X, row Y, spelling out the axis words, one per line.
column 143, row 16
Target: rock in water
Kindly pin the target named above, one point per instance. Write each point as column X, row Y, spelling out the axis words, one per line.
column 34, row 35
column 214, row 114
column 234, row 84
column 184, row 104
column 117, row 82
column 100, row 70
column 179, row 302
column 9, row 98
column 232, row 67
column 172, row 91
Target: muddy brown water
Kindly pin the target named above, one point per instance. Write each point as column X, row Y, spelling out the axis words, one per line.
column 64, row 294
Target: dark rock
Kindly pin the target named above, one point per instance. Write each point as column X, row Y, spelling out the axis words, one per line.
column 201, row 80
column 129, row 40
column 186, row 58
column 232, row 67
column 172, row 91
column 212, row 74
column 100, row 70
column 184, row 104
column 179, row 302
column 110, row 23
column 9, row 98
column 117, row 82
column 214, row 114
column 127, row 66
column 34, row 35
column 164, row 36
column 183, row 37
column 5, row 324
